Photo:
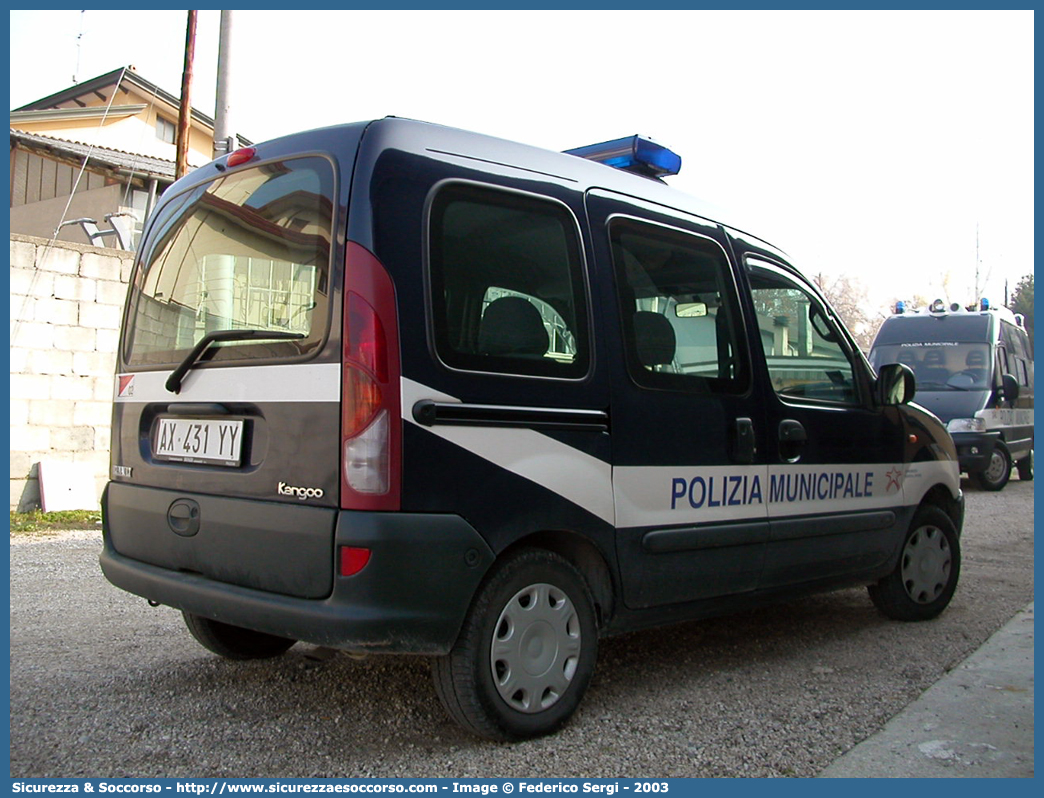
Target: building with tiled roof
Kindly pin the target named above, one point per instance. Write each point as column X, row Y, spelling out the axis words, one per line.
column 113, row 138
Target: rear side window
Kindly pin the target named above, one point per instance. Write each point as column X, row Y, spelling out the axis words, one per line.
column 507, row 285
column 249, row 251
column 679, row 309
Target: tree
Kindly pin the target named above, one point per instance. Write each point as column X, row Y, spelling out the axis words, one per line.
column 1022, row 301
column 849, row 298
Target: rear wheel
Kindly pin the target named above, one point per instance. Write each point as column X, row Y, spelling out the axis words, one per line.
column 925, row 577
column 1025, row 467
column 998, row 472
column 526, row 652
column 234, row 642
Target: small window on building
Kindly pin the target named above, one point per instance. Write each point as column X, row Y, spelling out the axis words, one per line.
column 165, row 131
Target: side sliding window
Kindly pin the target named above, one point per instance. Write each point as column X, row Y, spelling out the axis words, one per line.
column 679, row 309
column 507, row 283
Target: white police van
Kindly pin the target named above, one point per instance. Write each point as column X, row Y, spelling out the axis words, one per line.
column 974, row 370
column 393, row 387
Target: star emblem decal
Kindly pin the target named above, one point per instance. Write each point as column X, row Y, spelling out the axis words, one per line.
column 895, row 479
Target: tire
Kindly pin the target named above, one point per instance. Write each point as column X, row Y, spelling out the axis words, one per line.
column 234, row 642
column 998, row 472
column 526, row 652
column 1025, row 467
column 926, row 575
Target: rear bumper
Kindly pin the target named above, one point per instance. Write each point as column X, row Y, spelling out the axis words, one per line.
column 410, row 598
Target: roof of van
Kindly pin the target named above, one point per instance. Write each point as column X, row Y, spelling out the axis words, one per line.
column 935, row 327
column 949, row 325
column 504, row 153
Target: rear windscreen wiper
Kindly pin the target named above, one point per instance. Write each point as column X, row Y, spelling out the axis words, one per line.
column 173, row 383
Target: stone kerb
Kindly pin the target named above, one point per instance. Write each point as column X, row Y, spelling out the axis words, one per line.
column 66, row 304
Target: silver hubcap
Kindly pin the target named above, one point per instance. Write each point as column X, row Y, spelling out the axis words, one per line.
column 995, row 471
column 536, row 648
column 926, row 564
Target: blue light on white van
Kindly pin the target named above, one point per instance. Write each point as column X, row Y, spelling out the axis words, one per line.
column 984, row 304
column 900, row 306
column 632, row 154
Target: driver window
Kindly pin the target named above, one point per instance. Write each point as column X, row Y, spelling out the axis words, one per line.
column 803, row 347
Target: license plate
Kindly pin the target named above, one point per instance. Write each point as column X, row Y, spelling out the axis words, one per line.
column 213, row 442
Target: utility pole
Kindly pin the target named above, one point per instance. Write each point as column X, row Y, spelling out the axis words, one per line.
column 224, row 142
column 185, row 112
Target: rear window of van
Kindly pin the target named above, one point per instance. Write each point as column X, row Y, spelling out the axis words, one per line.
column 248, row 251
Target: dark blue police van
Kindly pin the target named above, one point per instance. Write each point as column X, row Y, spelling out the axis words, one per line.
column 974, row 370
column 393, row 387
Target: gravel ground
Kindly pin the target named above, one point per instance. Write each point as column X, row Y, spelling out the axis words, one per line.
column 102, row 685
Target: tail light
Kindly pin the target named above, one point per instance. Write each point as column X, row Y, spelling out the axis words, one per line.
column 371, row 423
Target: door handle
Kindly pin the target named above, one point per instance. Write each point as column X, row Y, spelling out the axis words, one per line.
column 742, row 445
column 792, row 437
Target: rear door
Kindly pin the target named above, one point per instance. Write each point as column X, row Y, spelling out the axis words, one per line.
column 688, row 467
column 504, row 403
column 228, row 389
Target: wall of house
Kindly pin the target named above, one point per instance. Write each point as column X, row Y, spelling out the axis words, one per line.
column 40, row 218
column 66, row 306
column 129, row 132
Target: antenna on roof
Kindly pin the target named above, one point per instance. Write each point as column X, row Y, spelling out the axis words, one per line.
column 76, row 73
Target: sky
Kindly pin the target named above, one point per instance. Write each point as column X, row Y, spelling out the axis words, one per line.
column 891, row 147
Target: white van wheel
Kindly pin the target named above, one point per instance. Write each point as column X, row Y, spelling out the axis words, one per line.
column 526, row 652
column 234, row 642
column 925, row 577
column 998, row 472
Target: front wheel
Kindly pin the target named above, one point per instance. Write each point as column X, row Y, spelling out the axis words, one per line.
column 234, row 642
column 998, row 472
column 925, row 577
column 526, row 652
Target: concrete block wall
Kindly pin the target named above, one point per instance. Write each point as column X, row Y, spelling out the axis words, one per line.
column 66, row 306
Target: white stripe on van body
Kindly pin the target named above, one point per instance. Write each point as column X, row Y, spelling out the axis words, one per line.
column 301, row 382
column 670, row 495
column 644, row 495
column 1006, row 418
column 572, row 474
column 647, row 496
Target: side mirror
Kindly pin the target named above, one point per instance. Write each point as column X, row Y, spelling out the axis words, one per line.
column 1009, row 388
column 896, row 384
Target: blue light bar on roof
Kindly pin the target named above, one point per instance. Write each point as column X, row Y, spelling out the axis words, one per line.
column 632, row 154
